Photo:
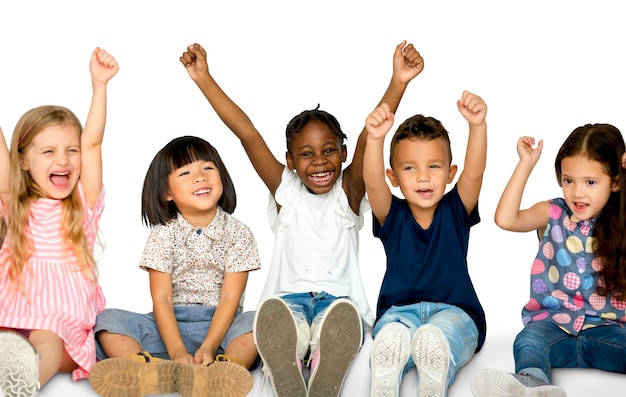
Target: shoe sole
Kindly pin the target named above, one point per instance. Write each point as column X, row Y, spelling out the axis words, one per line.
column 389, row 355
column 123, row 377
column 276, row 338
column 220, row 379
column 431, row 355
column 19, row 366
column 496, row 383
column 341, row 336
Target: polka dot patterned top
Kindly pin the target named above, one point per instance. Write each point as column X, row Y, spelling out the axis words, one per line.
column 564, row 277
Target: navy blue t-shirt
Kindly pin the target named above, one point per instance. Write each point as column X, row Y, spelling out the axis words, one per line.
column 429, row 265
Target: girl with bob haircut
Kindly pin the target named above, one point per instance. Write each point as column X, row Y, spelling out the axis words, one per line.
column 197, row 341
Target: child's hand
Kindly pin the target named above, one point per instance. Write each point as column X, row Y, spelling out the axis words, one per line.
column 194, row 60
column 525, row 149
column 407, row 62
column 379, row 122
column 102, row 66
column 182, row 357
column 203, row 356
column 473, row 108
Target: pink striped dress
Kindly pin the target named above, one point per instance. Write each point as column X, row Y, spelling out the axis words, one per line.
column 58, row 297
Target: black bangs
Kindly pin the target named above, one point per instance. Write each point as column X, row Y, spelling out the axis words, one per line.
column 187, row 149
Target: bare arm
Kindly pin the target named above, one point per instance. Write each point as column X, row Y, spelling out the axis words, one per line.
column 5, row 169
column 232, row 290
column 508, row 214
column 163, row 308
column 474, row 109
column 103, row 67
column 407, row 63
column 377, row 125
column 266, row 165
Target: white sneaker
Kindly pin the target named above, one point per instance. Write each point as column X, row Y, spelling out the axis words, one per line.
column 19, row 366
column 340, row 338
column 276, row 339
column 431, row 354
column 496, row 383
column 390, row 353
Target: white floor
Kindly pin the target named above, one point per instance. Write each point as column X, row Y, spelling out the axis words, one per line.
column 495, row 354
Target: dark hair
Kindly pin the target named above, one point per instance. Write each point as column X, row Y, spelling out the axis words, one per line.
column 423, row 128
column 298, row 122
column 155, row 208
column 604, row 143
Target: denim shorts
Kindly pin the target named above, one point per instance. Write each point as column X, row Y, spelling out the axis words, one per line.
column 193, row 324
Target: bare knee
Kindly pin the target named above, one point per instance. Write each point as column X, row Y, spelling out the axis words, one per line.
column 117, row 345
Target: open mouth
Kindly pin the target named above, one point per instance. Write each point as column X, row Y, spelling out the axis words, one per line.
column 202, row 192
column 321, row 178
column 60, row 179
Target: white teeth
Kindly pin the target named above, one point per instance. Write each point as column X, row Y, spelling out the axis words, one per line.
column 201, row 191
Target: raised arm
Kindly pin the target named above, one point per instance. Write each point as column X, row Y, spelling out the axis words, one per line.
column 407, row 63
column 508, row 214
column 102, row 67
column 5, row 169
column 474, row 110
column 266, row 165
column 377, row 125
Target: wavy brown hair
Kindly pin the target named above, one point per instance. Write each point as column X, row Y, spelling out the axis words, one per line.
column 604, row 143
column 24, row 191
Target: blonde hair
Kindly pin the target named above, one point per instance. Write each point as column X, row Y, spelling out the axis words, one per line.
column 24, row 191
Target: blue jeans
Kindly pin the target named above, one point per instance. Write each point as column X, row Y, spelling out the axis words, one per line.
column 308, row 310
column 457, row 326
column 193, row 324
column 542, row 345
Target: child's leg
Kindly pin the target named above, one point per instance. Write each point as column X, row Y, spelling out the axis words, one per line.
column 53, row 357
column 117, row 345
column 604, row 348
column 445, row 342
column 281, row 343
column 238, row 343
column 534, row 349
column 336, row 338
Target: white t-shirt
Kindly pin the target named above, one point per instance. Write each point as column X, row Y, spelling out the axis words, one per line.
column 316, row 243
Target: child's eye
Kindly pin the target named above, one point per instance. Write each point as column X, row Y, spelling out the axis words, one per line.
column 306, row 154
column 183, row 173
column 330, row 151
column 591, row 182
column 567, row 181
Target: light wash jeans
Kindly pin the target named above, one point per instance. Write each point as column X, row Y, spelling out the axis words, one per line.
column 456, row 325
column 308, row 309
column 193, row 324
column 542, row 345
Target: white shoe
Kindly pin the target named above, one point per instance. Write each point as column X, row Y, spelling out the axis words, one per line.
column 496, row 383
column 340, row 338
column 431, row 354
column 390, row 353
column 19, row 366
column 276, row 339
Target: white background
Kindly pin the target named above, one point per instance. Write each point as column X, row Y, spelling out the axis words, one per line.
column 543, row 68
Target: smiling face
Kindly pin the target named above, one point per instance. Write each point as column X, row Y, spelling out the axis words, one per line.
column 421, row 168
column 586, row 186
column 316, row 155
column 196, row 188
column 53, row 161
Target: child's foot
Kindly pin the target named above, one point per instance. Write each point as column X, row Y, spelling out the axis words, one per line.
column 340, row 340
column 276, row 338
column 219, row 379
column 431, row 354
column 19, row 366
column 135, row 376
column 496, row 383
column 390, row 352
